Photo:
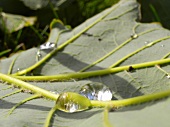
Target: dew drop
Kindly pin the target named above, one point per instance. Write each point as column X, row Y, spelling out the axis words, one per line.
column 96, row 91
column 38, row 56
column 39, row 53
column 146, row 42
column 168, row 76
column 162, row 45
column 71, row 107
column 72, row 102
column 18, row 69
column 134, row 36
column 47, row 45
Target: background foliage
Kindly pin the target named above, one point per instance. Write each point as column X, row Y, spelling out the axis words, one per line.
column 71, row 12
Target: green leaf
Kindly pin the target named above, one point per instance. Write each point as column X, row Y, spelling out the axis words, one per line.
column 10, row 23
column 113, row 38
column 34, row 5
column 156, row 11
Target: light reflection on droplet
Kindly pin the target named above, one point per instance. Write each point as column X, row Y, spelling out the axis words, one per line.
column 47, row 45
column 134, row 36
column 18, row 69
column 96, row 91
column 71, row 107
column 162, row 45
column 146, row 42
column 72, row 102
column 168, row 76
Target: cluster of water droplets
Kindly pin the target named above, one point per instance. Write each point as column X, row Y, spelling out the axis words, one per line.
column 74, row 102
column 96, row 91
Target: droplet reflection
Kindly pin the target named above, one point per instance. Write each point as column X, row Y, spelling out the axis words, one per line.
column 47, row 45
column 72, row 102
column 96, row 91
column 134, row 36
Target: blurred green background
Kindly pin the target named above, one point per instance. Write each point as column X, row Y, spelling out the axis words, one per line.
column 16, row 35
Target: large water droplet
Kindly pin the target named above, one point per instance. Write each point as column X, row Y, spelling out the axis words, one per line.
column 96, row 91
column 47, row 45
column 71, row 107
column 72, row 102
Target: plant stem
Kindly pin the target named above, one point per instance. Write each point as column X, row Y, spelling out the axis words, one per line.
column 106, row 121
column 4, row 52
column 49, row 55
column 10, row 94
column 138, row 50
column 131, row 101
column 49, row 117
column 28, row 86
column 82, row 75
column 116, row 49
column 22, row 102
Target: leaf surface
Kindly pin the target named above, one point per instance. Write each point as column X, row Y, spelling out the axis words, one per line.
column 117, row 39
column 10, row 23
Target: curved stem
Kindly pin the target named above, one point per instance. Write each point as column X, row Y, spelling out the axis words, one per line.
column 106, row 121
column 49, row 117
column 82, row 75
column 131, row 101
column 28, row 86
column 116, row 49
column 22, row 102
column 49, row 55
column 10, row 94
column 137, row 51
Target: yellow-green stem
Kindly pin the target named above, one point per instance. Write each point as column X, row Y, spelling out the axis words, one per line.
column 131, row 101
column 22, row 102
column 106, row 117
column 82, row 75
column 28, row 86
column 49, row 55
column 49, row 117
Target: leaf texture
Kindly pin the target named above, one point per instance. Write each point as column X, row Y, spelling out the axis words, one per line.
column 117, row 39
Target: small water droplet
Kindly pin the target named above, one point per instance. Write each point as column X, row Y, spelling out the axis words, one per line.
column 72, row 102
column 168, row 76
column 146, row 42
column 47, row 45
column 38, row 56
column 96, row 91
column 39, row 53
column 54, row 92
column 134, row 36
column 162, row 45
column 18, row 69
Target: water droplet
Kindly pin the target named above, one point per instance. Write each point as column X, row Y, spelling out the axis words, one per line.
column 47, row 45
column 71, row 107
column 162, row 45
column 168, row 76
column 18, row 69
column 72, row 102
column 146, row 42
column 134, row 36
column 38, row 55
column 96, row 91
